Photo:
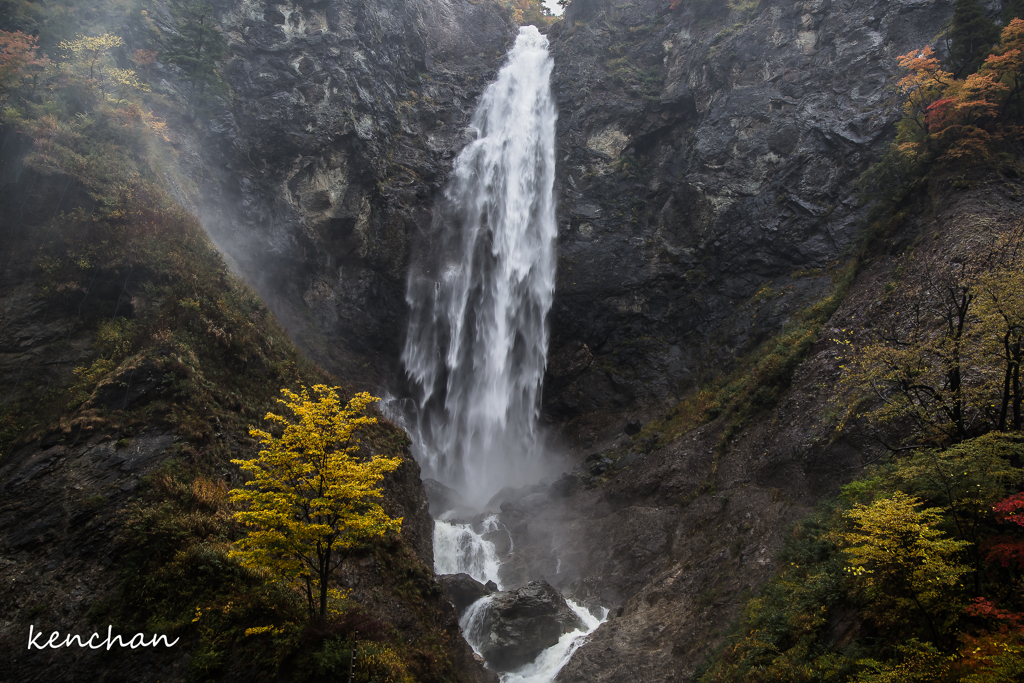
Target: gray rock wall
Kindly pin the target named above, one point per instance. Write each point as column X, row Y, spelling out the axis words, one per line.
column 704, row 154
column 318, row 180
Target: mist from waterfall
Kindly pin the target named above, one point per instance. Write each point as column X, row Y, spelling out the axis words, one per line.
column 477, row 338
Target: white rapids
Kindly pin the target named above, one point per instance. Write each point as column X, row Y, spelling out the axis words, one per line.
column 458, row 549
column 548, row 663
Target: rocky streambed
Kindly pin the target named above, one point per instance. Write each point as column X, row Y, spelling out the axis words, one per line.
column 527, row 633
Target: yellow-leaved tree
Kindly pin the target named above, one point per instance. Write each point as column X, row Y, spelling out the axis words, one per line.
column 89, row 59
column 89, row 51
column 312, row 496
column 903, row 563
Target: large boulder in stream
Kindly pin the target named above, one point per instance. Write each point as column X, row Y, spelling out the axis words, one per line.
column 512, row 627
column 464, row 590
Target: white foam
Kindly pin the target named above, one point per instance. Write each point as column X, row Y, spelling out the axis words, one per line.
column 458, row 549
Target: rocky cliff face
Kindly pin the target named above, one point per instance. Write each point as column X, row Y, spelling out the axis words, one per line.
column 707, row 153
column 321, row 176
column 76, row 472
column 674, row 540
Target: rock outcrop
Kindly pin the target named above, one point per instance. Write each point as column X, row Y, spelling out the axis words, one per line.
column 442, row 498
column 464, row 590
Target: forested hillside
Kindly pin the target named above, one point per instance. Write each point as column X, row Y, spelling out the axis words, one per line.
column 132, row 365
column 913, row 573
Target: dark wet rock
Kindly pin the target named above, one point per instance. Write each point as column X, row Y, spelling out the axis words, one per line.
column 520, row 624
column 345, row 120
column 502, row 540
column 705, row 154
column 133, row 386
column 510, row 496
column 442, row 498
column 626, row 460
column 464, row 590
column 562, row 486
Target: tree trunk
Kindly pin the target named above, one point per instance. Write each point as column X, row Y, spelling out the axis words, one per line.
column 1007, row 384
column 1018, row 423
column 325, row 569
column 309, row 597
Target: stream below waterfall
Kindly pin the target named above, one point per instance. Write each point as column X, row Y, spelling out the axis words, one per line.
column 479, row 293
column 460, row 549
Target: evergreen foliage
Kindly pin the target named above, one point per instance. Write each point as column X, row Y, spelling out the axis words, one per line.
column 971, row 36
column 196, row 48
column 1013, row 10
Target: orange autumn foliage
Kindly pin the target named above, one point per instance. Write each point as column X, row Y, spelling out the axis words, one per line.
column 20, row 62
column 964, row 121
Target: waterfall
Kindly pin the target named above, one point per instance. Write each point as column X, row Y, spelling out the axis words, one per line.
column 479, row 297
column 460, row 550
column 476, row 345
column 550, row 661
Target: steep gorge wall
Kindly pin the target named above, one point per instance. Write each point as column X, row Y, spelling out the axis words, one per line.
column 320, row 178
column 677, row 540
column 706, row 154
column 702, row 156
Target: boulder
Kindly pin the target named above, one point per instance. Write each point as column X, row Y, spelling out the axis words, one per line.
column 442, row 498
column 464, row 590
column 512, row 627
column 502, row 540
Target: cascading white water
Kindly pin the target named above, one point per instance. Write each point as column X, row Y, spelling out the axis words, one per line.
column 548, row 663
column 477, row 338
column 458, row 549
column 475, row 351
